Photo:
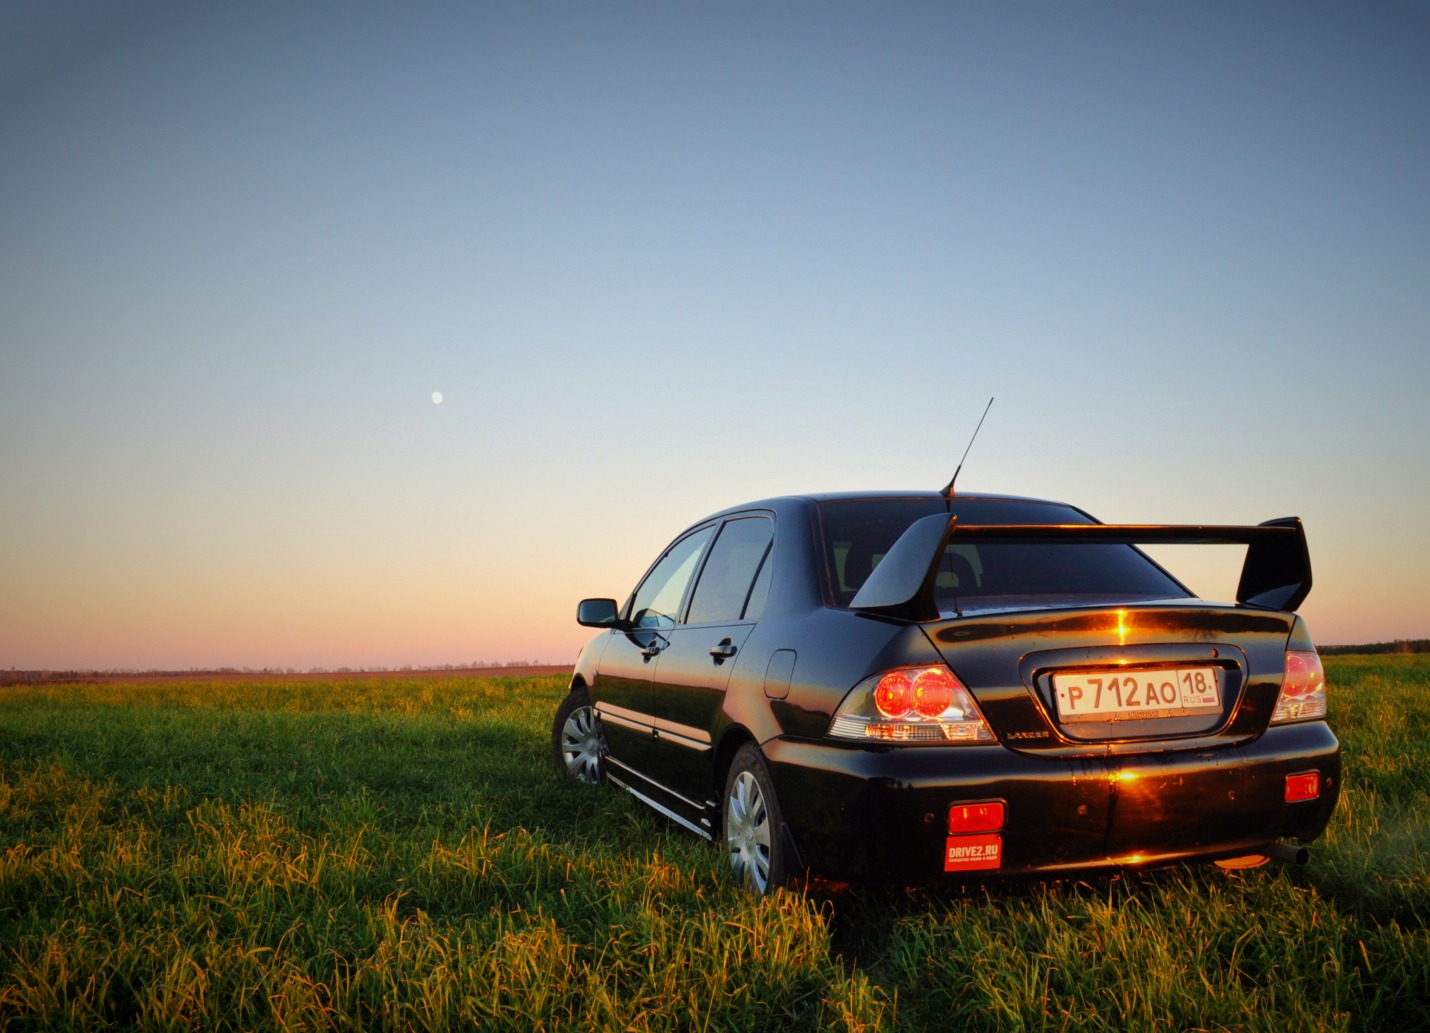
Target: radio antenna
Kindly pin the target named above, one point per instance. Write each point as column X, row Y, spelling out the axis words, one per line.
column 948, row 488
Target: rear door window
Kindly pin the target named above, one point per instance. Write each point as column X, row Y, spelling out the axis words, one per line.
column 724, row 588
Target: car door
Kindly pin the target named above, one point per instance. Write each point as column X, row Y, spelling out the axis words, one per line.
column 623, row 688
column 694, row 668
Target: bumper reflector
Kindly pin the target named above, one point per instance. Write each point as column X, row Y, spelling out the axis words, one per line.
column 1305, row 786
column 975, row 817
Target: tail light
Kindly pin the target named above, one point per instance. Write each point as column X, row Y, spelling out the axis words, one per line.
column 912, row 705
column 1303, row 688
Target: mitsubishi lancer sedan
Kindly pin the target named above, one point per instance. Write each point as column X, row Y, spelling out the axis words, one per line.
column 919, row 687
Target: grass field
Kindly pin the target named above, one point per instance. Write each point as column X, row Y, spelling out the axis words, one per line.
column 384, row 854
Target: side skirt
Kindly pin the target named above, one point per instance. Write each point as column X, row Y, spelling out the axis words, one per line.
column 625, row 777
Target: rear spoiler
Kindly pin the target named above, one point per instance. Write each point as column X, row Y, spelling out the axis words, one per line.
column 1276, row 574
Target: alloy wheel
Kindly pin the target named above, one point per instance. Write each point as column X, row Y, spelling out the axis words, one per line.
column 747, row 831
column 583, row 745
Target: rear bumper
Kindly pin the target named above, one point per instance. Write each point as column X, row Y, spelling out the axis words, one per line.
column 860, row 812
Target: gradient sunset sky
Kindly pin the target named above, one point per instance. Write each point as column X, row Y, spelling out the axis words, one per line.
column 660, row 260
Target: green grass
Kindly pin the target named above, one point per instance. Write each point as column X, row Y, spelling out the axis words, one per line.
column 392, row 854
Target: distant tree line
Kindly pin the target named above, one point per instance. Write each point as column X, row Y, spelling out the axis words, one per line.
column 1400, row 645
column 18, row 677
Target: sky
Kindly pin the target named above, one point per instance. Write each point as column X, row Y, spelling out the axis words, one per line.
column 661, row 259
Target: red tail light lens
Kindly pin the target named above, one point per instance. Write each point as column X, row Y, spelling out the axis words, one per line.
column 1303, row 688
column 933, row 691
column 927, row 705
column 894, row 695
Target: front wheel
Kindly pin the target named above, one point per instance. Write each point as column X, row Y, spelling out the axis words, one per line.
column 752, row 823
column 578, row 743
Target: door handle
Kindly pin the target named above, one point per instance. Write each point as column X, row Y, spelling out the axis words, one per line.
column 723, row 651
column 653, row 648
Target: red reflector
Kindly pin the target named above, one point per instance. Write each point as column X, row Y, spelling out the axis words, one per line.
column 1306, row 786
column 975, row 817
column 973, row 853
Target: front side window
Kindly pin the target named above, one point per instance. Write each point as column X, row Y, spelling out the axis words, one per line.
column 657, row 600
column 725, row 582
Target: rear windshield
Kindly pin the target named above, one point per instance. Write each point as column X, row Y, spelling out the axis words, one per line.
column 994, row 575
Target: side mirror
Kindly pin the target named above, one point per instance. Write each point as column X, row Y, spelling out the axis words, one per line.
column 598, row 613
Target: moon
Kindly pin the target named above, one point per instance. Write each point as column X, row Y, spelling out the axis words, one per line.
column 436, row 397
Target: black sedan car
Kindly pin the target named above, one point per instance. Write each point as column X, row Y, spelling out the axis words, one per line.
column 923, row 686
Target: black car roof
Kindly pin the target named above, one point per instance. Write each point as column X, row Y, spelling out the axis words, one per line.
column 841, row 496
column 844, row 496
column 786, row 502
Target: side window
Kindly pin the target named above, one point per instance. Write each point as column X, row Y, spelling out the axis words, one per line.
column 657, row 600
column 729, row 573
column 761, row 591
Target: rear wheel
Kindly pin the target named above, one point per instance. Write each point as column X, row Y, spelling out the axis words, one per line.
column 578, row 744
column 752, row 824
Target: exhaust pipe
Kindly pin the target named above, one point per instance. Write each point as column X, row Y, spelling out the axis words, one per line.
column 1287, row 853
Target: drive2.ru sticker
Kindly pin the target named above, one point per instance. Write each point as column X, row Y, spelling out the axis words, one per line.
column 973, row 853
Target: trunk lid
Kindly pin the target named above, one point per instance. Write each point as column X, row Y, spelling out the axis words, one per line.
column 1015, row 665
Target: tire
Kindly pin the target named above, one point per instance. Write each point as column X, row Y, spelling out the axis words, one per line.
column 752, row 824
column 578, row 743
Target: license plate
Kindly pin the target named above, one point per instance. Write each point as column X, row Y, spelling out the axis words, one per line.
column 1129, row 694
